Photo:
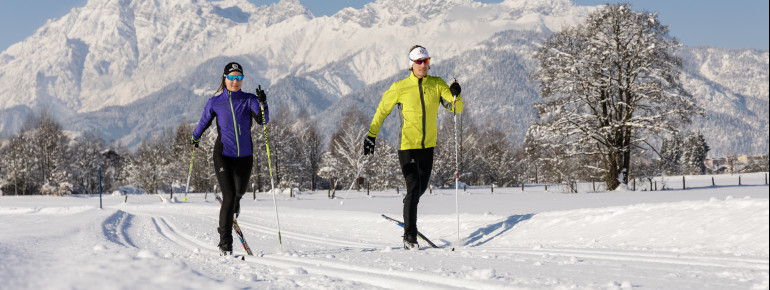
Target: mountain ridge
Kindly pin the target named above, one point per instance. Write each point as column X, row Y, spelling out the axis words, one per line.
column 319, row 64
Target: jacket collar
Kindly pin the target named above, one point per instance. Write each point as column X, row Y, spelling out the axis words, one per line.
column 234, row 94
column 413, row 78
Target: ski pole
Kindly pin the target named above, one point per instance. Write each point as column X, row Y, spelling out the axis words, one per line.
column 189, row 173
column 354, row 180
column 270, row 168
column 457, row 167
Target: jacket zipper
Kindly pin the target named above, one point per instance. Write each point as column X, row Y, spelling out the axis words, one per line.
column 422, row 103
column 235, row 124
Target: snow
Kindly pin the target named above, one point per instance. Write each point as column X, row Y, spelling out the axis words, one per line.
column 704, row 237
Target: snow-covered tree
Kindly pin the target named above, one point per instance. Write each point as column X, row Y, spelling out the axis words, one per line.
column 608, row 85
column 182, row 154
column 345, row 157
column 497, row 161
column 50, row 147
column 204, row 177
column 150, row 167
column 683, row 153
column 86, row 159
column 383, row 170
column 470, row 151
column 671, row 155
column 284, row 153
column 310, row 149
column 330, row 170
column 113, row 175
column 694, row 154
column 444, row 154
column 17, row 165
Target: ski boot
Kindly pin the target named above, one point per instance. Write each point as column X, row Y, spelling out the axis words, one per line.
column 225, row 242
column 410, row 242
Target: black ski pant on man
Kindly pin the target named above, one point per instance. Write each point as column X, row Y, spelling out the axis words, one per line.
column 416, row 165
column 233, row 177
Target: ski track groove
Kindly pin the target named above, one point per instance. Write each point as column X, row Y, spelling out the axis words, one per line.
column 115, row 228
column 304, row 237
column 183, row 240
column 377, row 276
column 662, row 258
column 689, row 260
column 373, row 276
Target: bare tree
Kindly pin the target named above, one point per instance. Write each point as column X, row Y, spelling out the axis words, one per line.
column 310, row 146
column 497, row 162
column 86, row 156
column 383, row 168
column 608, row 85
column 284, row 149
column 17, row 166
column 50, row 146
column 330, row 170
column 151, row 167
column 345, row 157
column 444, row 154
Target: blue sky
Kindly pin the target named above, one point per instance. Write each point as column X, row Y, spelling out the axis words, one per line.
column 718, row 23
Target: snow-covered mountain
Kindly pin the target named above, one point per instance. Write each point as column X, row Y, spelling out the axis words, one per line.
column 132, row 68
column 732, row 86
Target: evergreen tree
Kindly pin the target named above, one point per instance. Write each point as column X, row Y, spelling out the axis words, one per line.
column 671, row 155
column 694, row 153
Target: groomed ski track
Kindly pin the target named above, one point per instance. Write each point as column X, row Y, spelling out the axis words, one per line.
column 309, row 249
column 179, row 243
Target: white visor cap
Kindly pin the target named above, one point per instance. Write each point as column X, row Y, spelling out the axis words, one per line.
column 417, row 53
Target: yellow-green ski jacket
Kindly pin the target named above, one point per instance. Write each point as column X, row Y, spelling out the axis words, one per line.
column 419, row 99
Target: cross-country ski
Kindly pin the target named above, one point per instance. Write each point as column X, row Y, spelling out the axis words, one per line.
column 238, row 232
column 419, row 234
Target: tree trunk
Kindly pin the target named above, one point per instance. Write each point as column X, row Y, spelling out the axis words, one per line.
column 312, row 182
column 612, row 169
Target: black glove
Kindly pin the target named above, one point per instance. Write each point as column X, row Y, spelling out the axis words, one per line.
column 369, row 145
column 261, row 96
column 455, row 88
column 194, row 142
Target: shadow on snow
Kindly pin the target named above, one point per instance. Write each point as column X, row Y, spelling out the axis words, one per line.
column 488, row 233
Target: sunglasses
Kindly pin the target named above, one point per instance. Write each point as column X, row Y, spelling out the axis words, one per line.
column 420, row 61
column 233, row 78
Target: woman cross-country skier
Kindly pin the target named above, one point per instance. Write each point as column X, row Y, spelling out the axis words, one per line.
column 234, row 111
column 418, row 97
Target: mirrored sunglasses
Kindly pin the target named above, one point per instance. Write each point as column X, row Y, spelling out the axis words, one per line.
column 233, row 78
column 420, row 61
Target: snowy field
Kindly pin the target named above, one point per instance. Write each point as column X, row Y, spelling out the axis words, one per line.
column 705, row 237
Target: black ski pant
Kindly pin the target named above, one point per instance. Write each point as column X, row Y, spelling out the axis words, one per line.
column 233, row 177
column 416, row 165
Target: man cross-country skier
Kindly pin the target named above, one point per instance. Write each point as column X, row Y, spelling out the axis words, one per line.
column 418, row 98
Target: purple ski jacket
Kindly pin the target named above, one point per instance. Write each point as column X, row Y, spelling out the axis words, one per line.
column 234, row 112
